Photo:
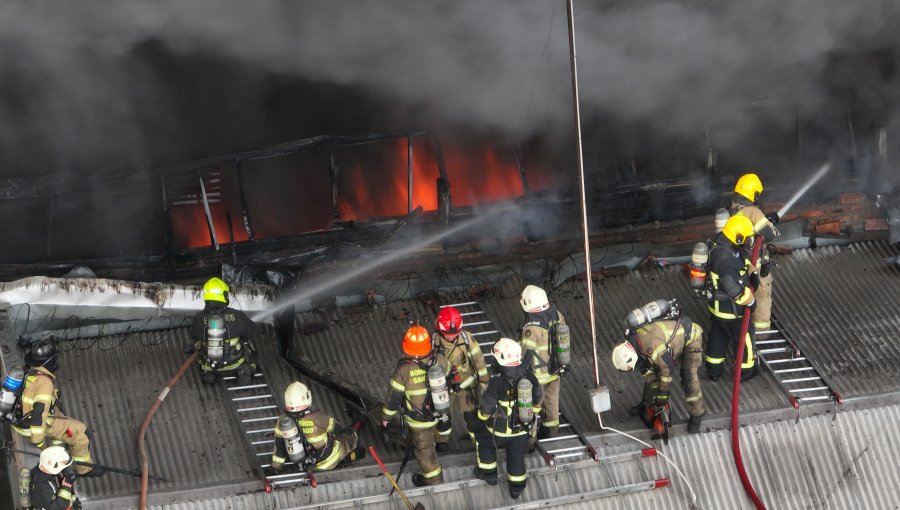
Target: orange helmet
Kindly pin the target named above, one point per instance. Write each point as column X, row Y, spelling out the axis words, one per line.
column 417, row 342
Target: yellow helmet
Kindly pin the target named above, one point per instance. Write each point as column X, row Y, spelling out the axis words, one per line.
column 738, row 229
column 749, row 186
column 215, row 289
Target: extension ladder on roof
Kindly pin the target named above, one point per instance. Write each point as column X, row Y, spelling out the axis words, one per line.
column 795, row 372
column 257, row 413
column 569, row 443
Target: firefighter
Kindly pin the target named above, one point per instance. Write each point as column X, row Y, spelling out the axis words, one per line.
column 410, row 391
column 540, row 335
column 730, row 275
column 746, row 203
column 325, row 443
column 39, row 416
column 655, row 349
column 224, row 336
column 468, row 375
column 507, row 412
column 53, row 481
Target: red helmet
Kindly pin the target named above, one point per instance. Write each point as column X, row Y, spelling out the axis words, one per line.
column 449, row 321
column 417, row 342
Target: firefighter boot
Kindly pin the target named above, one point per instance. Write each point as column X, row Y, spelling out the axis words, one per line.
column 208, row 377
column 442, row 447
column 244, row 374
column 746, row 375
column 420, row 481
column 516, row 489
column 488, row 476
column 354, row 455
column 693, row 426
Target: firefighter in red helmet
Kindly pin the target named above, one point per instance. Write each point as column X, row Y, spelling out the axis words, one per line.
column 468, row 374
column 418, row 391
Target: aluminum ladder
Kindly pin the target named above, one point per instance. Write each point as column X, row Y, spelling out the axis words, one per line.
column 569, row 443
column 796, row 373
column 257, row 412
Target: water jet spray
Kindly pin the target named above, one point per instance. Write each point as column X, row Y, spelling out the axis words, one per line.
column 814, row 179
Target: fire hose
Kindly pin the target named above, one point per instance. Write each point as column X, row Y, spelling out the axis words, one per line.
column 159, row 399
column 736, row 392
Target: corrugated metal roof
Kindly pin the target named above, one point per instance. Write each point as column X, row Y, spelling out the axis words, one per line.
column 842, row 304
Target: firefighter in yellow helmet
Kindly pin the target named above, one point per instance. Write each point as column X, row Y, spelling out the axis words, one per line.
column 746, row 203
column 418, row 390
column 310, row 437
column 39, row 417
column 507, row 411
column 540, row 336
column 655, row 349
column 223, row 336
column 730, row 273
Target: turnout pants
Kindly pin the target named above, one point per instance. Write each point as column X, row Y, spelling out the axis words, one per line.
column 486, row 445
column 762, row 316
column 550, row 408
column 71, row 432
column 426, row 455
column 725, row 332
column 690, row 382
column 461, row 403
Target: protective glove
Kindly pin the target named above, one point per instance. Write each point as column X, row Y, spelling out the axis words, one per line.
column 563, row 370
column 754, row 280
column 773, row 218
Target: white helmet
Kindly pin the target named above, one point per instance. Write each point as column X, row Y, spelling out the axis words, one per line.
column 534, row 299
column 54, row 459
column 624, row 357
column 508, row 352
column 297, row 397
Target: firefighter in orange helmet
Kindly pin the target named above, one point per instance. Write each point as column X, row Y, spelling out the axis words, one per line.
column 421, row 403
column 468, row 374
column 746, row 203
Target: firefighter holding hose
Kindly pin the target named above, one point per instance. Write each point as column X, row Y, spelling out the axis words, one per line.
column 418, row 387
column 659, row 338
column 730, row 274
column 746, row 203
column 223, row 336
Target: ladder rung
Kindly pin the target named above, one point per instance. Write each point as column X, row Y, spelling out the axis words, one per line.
column 557, row 438
column 786, row 370
column 254, row 397
column 251, row 420
column 485, row 344
column 479, row 323
column 286, row 475
column 786, row 360
column 480, row 333
column 260, row 431
column 260, row 408
column 564, row 425
column 248, row 387
column 777, row 349
column 801, row 379
column 265, row 441
column 232, row 377
column 804, row 399
column 472, row 313
column 804, row 390
column 767, row 331
column 766, row 342
column 288, row 463
column 570, row 449
column 567, row 455
column 263, row 454
column 467, row 303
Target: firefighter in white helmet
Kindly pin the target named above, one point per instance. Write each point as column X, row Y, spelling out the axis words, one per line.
column 223, row 336
column 412, row 394
column 507, row 412
column 541, row 335
column 325, row 443
column 745, row 202
column 53, row 481
column 654, row 349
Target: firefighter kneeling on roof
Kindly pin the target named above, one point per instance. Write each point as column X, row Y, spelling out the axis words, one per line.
column 658, row 339
column 52, row 485
column 311, row 438
column 419, row 387
column 224, row 336
column 507, row 412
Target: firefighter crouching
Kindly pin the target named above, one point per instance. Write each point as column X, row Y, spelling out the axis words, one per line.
column 224, row 336
column 468, row 376
column 746, row 203
column 39, row 417
column 507, row 411
column 311, row 438
column 730, row 292
column 547, row 335
column 656, row 343
column 418, row 387
column 53, row 481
